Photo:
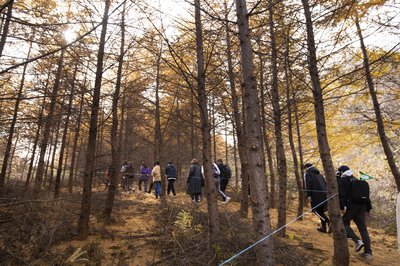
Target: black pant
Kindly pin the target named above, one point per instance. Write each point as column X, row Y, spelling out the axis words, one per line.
column 358, row 216
column 223, row 184
column 171, row 186
column 320, row 212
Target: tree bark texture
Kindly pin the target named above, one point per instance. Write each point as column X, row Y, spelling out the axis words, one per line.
column 341, row 249
column 377, row 109
column 212, row 207
column 244, row 202
column 83, row 223
column 300, row 204
column 115, row 155
column 47, row 126
column 14, row 119
column 64, row 137
column 261, row 219
column 6, row 26
column 276, row 111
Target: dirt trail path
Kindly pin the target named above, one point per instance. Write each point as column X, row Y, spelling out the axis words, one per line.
column 134, row 239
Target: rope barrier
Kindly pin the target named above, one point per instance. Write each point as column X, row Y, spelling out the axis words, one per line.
column 274, row 232
column 324, row 191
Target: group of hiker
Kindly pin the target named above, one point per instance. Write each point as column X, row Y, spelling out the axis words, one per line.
column 354, row 201
column 195, row 180
column 354, row 198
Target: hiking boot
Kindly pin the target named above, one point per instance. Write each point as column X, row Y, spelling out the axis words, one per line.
column 359, row 246
column 366, row 256
column 322, row 229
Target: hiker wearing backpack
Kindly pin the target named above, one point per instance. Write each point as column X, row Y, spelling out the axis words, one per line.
column 170, row 173
column 225, row 174
column 128, row 177
column 355, row 204
column 217, row 180
column 316, row 193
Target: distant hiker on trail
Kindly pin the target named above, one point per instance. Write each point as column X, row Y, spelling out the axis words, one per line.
column 355, row 204
column 316, row 193
column 195, row 181
column 170, row 173
column 128, row 176
column 217, row 180
column 144, row 174
column 225, row 174
column 156, row 174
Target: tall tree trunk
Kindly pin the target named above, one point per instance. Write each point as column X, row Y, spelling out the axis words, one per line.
column 212, row 207
column 261, row 219
column 272, row 192
column 299, row 143
column 75, row 144
column 121, row 148
column 14, row 119
column 67, row 146
column 48, row 159
column 341, row 249
column 226, row 141
column 53, row 158
column 214, row 133
column 158, row 133
column 380, row 125
column 235, row 159
column 35, row 142
column 280, row 148
column 6, row 26
column 64, row 137
column 83, row 224
column 192, row 129
column 47, row 127
column 113, row 170
column 300, row 204
column 12, row 156
column 238, row 125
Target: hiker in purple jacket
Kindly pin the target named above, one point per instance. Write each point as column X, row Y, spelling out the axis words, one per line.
column 144, row 173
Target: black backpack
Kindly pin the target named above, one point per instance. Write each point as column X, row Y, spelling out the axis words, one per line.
column 359, row 190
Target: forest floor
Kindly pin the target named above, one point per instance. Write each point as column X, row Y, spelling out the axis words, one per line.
column 142, row 234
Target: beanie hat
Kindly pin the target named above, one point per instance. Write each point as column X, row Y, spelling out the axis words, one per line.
column 343, row 168
column 307, row 165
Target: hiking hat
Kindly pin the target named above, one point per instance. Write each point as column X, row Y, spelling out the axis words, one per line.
column 307, row 165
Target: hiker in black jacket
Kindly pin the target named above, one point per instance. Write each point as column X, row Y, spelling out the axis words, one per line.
column 355, row 209
column 170, row 173
column 316, row 192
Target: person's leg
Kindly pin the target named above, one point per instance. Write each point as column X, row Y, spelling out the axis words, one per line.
column 218, row 187
column 172, row 187
column 158, row 188
column 224, row 184
column 347, row 217
column 140, row 184
column 132, row 184
column 145, row 185
column 151, row 186
column 359, row 220
column 169, row 187
column 320, row 212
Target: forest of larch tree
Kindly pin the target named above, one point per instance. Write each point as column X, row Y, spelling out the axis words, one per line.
column 199, row 132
